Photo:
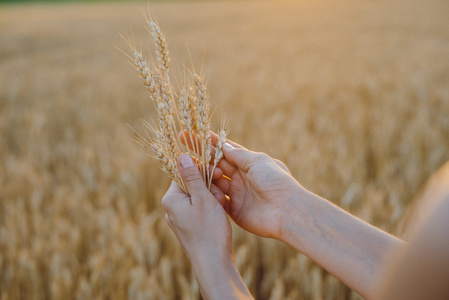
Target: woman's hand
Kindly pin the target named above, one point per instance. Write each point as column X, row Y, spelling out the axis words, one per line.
column 198, row 220
column 259, row 187
column 266, row 200
column 202, row 226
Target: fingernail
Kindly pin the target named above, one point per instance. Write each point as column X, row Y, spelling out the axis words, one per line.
column 186, row 161
column 228, row 146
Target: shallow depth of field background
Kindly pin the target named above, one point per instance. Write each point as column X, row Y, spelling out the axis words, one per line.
column 352, row 95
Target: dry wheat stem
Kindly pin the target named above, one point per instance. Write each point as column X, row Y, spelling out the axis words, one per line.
column 203, row 122
column 187, row 116
column 218, row 151
column 190, row 116
column 161, row 47
column 192, row 113
column 165, row 147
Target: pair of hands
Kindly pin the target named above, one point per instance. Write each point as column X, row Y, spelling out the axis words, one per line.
column 258, row 189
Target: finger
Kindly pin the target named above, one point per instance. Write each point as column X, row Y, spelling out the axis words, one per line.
column 223, row 167
column 218, row 194
column 191, row 140
column 223, row 184
column 193, row 143
column 175, row 189
column 227, row 168
column 168, row 221
column 218, row 173
column 234, row 144
column 174, row 192
column 214, row 138
column 282, row 165
column 241, row 157
column 191, row 176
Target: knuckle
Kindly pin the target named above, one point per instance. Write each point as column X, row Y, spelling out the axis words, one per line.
column 280, row 163
column 283, row 166
column 262, row 156
column 169, row 222
column 166, row 203
column 191, row 177
column 168, row 219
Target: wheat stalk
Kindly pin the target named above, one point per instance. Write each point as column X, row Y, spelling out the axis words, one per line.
column 203, row 122
column 161, row 47
column 219, row 150
column 190, row 116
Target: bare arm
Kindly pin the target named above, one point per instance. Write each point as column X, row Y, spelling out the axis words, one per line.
column 421, row 269
column 202, row 226
column 344, row 245
column 266, row 200
column 218, row 277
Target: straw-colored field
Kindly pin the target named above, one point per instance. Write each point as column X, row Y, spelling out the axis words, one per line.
column 353, row 96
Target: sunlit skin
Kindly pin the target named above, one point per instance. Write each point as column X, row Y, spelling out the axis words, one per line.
column 263, row 198
column 330, row 88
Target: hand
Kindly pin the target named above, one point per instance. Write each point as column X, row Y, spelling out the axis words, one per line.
column 198, row 220
column 259, row 187
column 202, row 226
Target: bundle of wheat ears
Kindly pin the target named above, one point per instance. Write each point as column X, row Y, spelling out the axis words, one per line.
column 183, row 118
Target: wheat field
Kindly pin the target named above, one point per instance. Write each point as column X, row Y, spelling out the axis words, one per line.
column 352, row 95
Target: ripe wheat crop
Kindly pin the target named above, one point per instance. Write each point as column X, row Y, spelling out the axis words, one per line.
column 188, row 116
column 351, row 95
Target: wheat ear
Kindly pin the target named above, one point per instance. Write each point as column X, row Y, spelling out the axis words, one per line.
column 167, row 140
column 187, row 108
column 149, row 80
column 218, row 151
column 168, row 107
column 159, row 151
column 161, row 47
column 191, row 116
column 203, row 124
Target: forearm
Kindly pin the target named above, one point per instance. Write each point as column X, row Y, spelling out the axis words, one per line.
column 344, row 245
column 420, row 270
column 218, row 277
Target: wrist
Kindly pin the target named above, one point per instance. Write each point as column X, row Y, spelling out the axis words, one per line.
column 299, row 208
column 281, row 212
column 211, row 256
column 217, row 275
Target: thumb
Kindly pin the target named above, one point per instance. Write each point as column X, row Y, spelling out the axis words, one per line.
column 240, row 157
column 191, row 176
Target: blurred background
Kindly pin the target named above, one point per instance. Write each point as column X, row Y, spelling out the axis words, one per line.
column 352, row 95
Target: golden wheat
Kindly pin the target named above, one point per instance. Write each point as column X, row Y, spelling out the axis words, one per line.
column 192, row 119
column 354, row 102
